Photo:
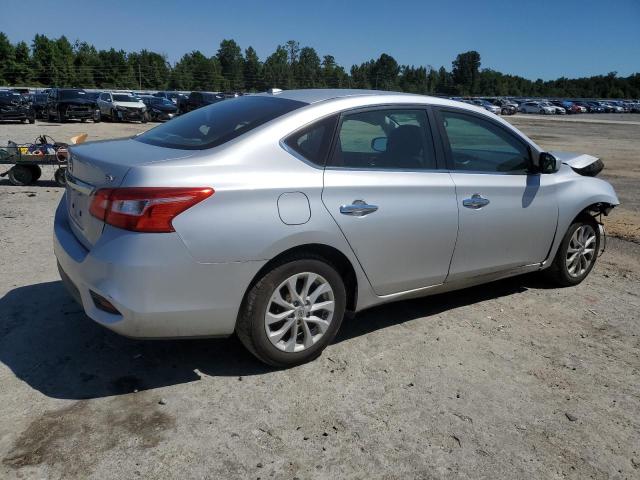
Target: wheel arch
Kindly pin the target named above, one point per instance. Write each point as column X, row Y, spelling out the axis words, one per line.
column 330, row 254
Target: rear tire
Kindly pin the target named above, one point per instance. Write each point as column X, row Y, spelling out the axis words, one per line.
column 308, row 326
column 576, row 254
column 20, row 175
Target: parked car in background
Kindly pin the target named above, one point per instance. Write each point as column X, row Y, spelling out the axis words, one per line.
column 495, row 109
column 506, row 107
column 619, row 107
column 159, row 109
column 248, row 216
column 16, row 107
column 556, row 109
column 197, row 100
column 569, row 107
column 594, row 107
column 537, row 107
column 171, row 96
column 68, row 104
column 117, row 107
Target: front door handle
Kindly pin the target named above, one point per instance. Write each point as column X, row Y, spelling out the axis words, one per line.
column 476, row 201
column 359, row 208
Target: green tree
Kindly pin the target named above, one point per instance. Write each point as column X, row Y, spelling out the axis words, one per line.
column 465, row 72
column 308, row 72
column 384, row 75
column 7, row 58
column 276, row 69
column 21, row 74
column 231, row 62
column 333, row 75
column 252, row 72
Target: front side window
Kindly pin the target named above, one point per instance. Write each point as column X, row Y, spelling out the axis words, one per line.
column 385, row 139
column 313, row 142
column 218, row 123
column 480, row 146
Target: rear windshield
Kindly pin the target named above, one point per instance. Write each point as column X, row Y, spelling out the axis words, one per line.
column 216, row 124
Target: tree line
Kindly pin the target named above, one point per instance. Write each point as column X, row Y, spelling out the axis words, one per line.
column 58, row 62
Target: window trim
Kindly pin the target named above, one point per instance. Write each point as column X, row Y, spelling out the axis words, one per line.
column 446, row 144
column 424, row 107
column 299, row 156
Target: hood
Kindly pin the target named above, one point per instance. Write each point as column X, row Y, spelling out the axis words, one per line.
column 128, row 104
column 581, row 163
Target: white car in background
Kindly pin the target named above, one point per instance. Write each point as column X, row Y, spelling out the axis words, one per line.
column 614, row 108
column 118, row 106
column 495, row 109
column 537, row 107
column 556, row 109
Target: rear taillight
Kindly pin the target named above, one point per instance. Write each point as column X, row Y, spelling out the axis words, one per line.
column 145, row 209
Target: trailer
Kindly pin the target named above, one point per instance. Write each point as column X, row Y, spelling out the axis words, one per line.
column 28, row 158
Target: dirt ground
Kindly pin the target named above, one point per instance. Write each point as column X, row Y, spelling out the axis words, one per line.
column 511, row 380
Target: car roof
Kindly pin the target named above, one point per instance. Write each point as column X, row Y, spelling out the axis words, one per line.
column 323, row 94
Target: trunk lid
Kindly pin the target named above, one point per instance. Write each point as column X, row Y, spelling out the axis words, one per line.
column 581, row 163
column 104, row 164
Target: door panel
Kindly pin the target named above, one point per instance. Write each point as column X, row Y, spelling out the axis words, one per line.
column 408, row 241
column 515, row 228
column 508, row 216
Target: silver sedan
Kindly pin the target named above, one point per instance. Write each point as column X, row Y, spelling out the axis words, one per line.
column 271, row 215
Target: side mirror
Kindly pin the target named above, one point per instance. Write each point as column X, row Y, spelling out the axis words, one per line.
column 547, row 163
column 379, row 144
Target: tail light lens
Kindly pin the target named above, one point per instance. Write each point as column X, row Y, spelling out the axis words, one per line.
column 145, row 209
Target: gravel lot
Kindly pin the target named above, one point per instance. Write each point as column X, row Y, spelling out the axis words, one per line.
column 508, row 380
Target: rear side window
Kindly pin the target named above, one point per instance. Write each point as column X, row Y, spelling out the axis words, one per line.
column 216, row 124
column 480, row 146
column 313, row 142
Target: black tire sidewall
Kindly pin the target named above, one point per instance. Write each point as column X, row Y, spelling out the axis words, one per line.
column 22, row 171
column 261, row 295
column 561, row 264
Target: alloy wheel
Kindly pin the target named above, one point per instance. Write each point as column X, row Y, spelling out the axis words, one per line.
column 581, row 251
column 299, row 312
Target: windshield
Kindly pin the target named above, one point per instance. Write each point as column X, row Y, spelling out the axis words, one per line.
column 69, row 94
column 10, row 97
column 123, row 97
column 216, row 124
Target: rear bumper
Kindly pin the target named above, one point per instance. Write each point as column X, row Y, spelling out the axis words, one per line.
column 153, row 281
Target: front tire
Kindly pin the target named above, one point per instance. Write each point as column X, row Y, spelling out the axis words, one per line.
column 577, row 253
column 293, row 312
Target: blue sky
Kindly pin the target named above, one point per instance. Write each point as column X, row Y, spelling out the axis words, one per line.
column 536, row 39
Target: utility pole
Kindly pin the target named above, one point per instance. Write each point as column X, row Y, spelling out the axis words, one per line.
column 139, row 77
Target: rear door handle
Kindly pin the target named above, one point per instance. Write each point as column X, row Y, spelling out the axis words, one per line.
column 359, row 208
column 476, row 201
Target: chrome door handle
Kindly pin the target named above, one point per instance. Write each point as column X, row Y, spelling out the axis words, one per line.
column 359, row 208
column 476, row 201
